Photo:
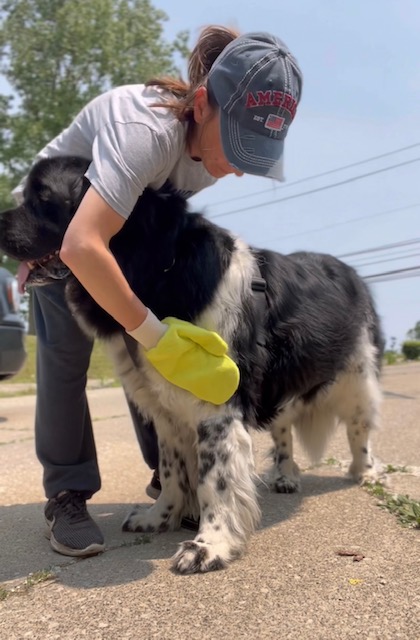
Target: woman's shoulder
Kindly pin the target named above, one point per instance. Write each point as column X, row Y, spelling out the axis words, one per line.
column 135, row 99
column 138, row 104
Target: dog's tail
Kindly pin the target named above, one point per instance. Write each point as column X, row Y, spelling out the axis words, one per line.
column 314, row 428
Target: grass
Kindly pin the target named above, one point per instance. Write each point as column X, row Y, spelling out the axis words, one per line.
column 138, row 540
column 404, row 508
column 100, row 368
column 37, row 577
column 390, row 468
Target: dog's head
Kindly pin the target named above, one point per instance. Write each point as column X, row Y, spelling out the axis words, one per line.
column 33, row 232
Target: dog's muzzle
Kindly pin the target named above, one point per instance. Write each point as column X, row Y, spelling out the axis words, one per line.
column 37, row 273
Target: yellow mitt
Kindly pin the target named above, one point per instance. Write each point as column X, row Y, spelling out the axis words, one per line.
column 190, row 357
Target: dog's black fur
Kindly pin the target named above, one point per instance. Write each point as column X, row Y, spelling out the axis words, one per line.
column 321, row 333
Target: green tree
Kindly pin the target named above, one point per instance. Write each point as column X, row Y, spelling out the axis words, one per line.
column 57, row 55
column 411, row 349
column 414, row 333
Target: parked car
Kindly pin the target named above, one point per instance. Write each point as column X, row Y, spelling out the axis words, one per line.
column 12, row 327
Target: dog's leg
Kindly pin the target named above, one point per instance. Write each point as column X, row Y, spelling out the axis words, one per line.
column 175, row 499
column 284, row 476
column 361, row 418
column 357, row 398
column 229, row 510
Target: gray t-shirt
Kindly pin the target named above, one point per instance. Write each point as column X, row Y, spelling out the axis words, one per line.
column 132, row 145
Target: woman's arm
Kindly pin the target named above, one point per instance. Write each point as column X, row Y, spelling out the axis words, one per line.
column 188, row 356
column 85, row 250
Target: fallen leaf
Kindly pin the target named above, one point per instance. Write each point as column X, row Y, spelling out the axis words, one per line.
column 357, row 557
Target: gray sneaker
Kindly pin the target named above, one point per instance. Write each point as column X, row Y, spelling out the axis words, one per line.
column 71, row 530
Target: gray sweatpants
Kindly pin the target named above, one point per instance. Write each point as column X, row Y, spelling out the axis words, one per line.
column 63, row 429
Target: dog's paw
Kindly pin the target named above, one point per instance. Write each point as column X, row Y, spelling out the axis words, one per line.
column 149, row 520
column 136, row 520
column 368, row 474
column 284, row 477
column 199, row 557
column 286, row 484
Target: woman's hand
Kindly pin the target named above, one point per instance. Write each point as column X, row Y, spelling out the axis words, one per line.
column 189, row 357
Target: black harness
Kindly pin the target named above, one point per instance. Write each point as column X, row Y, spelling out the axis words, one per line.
column 259, row 288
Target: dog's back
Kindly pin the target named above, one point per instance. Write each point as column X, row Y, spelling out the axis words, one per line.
column 318, row 310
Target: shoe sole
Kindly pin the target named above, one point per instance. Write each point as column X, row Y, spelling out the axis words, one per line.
column 190, row 524
column 152, row 492
column 91, row 550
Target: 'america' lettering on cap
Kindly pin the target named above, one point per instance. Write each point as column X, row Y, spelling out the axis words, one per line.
column 257, row 84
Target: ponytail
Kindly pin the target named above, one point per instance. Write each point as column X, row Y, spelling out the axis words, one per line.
column 210, row 44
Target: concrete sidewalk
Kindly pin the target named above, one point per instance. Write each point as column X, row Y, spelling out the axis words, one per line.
column 292, row 584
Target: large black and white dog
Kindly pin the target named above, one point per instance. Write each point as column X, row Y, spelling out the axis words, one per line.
column 308, row 350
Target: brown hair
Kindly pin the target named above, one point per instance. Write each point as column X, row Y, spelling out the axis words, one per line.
column 210, row 44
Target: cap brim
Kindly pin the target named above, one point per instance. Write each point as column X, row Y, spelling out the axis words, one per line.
column 249, row 152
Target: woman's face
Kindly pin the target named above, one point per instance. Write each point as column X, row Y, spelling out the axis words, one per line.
column 206, row 143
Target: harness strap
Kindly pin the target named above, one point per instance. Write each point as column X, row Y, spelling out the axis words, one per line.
column 132, row 346
column 259, row 287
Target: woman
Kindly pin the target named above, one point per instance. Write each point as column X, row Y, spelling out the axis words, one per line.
column 232, row 117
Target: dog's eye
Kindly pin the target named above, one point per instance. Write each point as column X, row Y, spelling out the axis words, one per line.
column 44, row 194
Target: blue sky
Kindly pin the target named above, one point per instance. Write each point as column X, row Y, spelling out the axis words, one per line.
column 361, row 65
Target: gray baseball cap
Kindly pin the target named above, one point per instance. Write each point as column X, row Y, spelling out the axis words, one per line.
column 257, row 84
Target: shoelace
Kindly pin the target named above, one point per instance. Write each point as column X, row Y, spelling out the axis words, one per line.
column 73, row 506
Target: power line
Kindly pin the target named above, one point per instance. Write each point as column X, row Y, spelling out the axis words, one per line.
column 402, row 243
column 321, row 175
column 398, row 274
column 384, row 259
column 388, row 255
column 406, row 276
column 338, row 224
column 318, row 189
